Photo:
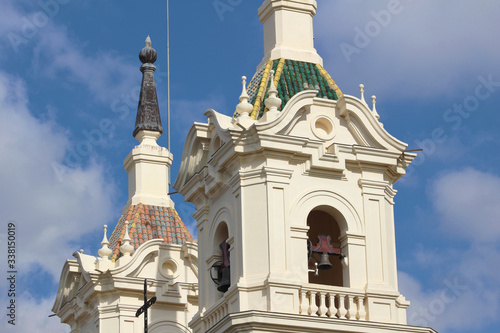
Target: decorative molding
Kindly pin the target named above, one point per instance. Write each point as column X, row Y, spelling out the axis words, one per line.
column 299, row 232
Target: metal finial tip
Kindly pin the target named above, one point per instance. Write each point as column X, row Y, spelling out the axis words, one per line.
column 361, row 86
column 148, row 54
column 105, row 226
column 374, row 97
column 271, row 71
column 243, row 78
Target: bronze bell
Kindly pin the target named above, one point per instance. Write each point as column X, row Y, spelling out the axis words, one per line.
column 324, row 262
column 224, row 279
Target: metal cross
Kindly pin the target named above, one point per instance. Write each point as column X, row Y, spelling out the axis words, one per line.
column 146, row 306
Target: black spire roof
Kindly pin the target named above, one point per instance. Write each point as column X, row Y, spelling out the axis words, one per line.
column 148, row 112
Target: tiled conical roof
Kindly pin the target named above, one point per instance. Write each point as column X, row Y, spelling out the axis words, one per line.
column 149, row 222
column 291, row 77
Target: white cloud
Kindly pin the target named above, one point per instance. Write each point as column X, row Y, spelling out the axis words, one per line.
column 464, row 297
column 32, row 315
column 106, row 74
column 460, row 291
column 468, row 203
column 50, row 210
column 428, row 49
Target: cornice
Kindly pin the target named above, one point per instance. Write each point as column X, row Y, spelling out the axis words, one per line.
column 265, row 321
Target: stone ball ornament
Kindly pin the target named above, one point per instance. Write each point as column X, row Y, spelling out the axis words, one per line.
column 148, row 55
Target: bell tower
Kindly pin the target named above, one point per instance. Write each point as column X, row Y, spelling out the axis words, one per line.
column 294, row 198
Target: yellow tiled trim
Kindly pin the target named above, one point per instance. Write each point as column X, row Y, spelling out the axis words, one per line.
column 262, row 89
column 279, row 70
column 330, row 81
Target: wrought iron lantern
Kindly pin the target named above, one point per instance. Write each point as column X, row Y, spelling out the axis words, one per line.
column 220, row 271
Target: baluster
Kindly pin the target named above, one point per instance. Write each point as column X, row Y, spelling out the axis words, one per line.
column 361, row 308
column 330, row 305
column 341, row 311
column 314, row 305
column 322, row 304
column 304, row 303
column 351, row 308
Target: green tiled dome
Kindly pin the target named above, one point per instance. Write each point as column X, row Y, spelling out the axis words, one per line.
column 291, row 77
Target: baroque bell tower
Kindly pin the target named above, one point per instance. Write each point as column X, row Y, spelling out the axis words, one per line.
column 294, row 198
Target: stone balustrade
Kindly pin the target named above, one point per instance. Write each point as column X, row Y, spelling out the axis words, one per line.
column 334, row 302
column 216, row 313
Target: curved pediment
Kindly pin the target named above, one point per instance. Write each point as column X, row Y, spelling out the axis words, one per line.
column 365, row 127
column 202, row 142
column 346, row 121
column 193, row 153
column 69, row 284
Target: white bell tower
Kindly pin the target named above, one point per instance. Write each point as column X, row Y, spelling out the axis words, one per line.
column 294, row 198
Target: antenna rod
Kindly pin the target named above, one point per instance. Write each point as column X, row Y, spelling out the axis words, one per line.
column 168, row 86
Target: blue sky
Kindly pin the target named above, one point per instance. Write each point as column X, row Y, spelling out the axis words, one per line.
column 69, row 79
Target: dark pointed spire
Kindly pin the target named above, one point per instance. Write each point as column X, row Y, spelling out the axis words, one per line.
column 148, row 112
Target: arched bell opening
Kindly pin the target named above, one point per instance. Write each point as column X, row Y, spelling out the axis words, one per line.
column 220, row 269
column 221, row 234
column 324, row 255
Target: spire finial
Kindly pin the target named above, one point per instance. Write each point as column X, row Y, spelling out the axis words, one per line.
column 362, row 91
column 374, row 101
column 126, row 249
column 148, row 112
column 244, row 107
column 148, row 54
column 105, row 251
column 273, row 102
column 244, row 93
column 272, row 88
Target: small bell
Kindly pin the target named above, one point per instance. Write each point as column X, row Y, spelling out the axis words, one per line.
column 224, row 279
column 324, row 262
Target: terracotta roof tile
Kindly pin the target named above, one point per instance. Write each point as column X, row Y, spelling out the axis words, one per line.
column 149, row 222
